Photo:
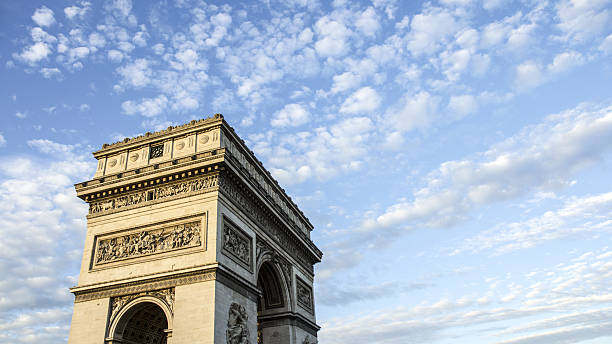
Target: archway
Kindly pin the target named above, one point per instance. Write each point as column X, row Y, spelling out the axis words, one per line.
column 141, row 322
column 272, row 299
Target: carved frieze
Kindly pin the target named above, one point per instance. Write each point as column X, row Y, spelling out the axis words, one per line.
column 165, row 295
column 304, row 295
column 156, row 193
column 260, row 214
column 237, row 243
column 237, row 330
column 148, row 242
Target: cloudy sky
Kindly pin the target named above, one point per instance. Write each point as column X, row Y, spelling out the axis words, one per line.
column 454, row 155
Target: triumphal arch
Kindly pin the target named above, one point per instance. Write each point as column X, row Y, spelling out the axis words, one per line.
column 190, row 240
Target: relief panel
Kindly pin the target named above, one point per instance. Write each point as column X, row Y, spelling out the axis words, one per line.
column 304, row 295
column 137, row 158
column 115, row 163
column 207, row 140
column 237, row 244
column 184, row 146
column 145, row 242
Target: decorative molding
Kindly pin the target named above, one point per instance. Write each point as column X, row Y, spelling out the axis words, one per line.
column 259, row 213
column 148, row 242
column 169, row 130
column 237, row 243
column 141, row 286
column 237, row 329
column 304, row 295
column 171, row 191
column 262, row 249
column 165, row 295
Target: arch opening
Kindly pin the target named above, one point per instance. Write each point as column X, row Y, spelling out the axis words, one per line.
column 143, row 323
column 272, row 297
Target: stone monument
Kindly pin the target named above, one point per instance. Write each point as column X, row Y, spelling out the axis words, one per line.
column 190, row 240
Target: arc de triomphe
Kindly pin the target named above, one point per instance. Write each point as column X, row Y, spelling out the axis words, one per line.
column 190, row 240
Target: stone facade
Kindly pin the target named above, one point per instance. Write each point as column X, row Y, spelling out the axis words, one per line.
column 188, row 232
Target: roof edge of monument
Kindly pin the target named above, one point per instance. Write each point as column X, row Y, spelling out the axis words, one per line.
column 107, row 147
column 217, row 118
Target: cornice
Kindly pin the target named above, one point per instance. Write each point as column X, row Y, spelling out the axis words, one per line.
column 153, row 136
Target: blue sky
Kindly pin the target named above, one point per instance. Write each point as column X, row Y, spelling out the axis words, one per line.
column 454, row 156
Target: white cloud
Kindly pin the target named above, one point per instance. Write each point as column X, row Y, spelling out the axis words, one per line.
column 291, row 115
column 148, row 107
column 97, row 40
column 2, row 140
column 50, row 72
column 565, row 61
column 333, row 37
column 491, row 5
column 566, row 303
column 43, row 228
column 606, row 45
column 364, row 100
column 460, row 106
column 136, row 74
column 43, row 16
column 74, row 11
column 578, row 215
column 539, row 157
column 40, row 35
column 78, row 53
column 115, row 55
column 368, row 22
column 345, row 81
column 583, row 20
column 413, row 111
column 430, row 30
column 320, row 153
column 20, row 114
column 529, row 74
column 34, row 53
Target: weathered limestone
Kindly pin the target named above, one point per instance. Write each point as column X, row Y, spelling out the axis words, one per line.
column 188, row 233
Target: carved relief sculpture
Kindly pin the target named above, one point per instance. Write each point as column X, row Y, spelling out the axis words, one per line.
column 154, row 194
column 237, row 330
column 304, row 295
column 237, row 244
column 148, row 242
column 309, row 340
column 166, row 295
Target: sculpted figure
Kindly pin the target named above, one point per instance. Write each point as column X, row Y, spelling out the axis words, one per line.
column 237, row 331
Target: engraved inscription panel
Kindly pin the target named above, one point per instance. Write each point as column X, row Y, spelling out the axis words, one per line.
column 147, row 242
